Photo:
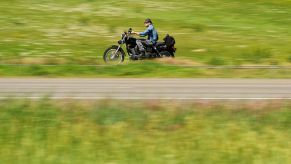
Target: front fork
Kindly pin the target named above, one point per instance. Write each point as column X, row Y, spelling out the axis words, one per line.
column 122, row 41
column 114, row 55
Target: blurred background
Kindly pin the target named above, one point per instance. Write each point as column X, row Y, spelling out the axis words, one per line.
column 208, row 32
column 67, row 38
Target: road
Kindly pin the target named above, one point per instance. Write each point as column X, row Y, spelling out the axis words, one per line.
column 146, row 88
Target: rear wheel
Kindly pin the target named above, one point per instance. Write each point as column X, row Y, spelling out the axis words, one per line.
column 112, row 56
column 166, row 54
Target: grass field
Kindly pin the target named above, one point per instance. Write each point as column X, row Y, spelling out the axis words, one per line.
column 138, row 70
column 47, row 131
column 210, row 32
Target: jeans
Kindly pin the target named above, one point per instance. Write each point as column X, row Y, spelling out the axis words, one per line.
column 140, row 44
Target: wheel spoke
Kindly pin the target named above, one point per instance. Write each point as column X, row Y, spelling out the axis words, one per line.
column 113, row 57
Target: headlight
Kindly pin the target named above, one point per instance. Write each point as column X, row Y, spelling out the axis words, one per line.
column 120, row 42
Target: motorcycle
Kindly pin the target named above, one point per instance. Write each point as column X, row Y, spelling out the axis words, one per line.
column 115, row 54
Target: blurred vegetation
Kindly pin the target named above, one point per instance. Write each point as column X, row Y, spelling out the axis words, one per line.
column 144, row 69
column 47, row 131
column 207, row 32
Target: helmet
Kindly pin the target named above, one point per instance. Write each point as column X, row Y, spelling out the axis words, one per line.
column 148, row 20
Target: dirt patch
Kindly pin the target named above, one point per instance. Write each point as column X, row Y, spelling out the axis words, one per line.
column 175, row 61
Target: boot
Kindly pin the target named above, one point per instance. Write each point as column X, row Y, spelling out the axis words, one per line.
column 133, row 56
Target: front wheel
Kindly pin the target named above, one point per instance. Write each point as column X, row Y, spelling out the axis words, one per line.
column 113, row 55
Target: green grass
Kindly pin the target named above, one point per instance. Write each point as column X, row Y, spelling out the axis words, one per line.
column 78, row 31
column 47, row 131
column 138, row 70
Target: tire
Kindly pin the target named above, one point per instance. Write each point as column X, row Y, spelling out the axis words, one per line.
column 166, row 54
column 110, row 59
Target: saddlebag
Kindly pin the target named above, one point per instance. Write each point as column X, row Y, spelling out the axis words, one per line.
column 169, row 41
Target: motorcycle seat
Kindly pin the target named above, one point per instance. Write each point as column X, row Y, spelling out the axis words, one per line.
column 160, row 43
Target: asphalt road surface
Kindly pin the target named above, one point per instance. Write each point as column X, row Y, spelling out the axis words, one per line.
column 146, row 88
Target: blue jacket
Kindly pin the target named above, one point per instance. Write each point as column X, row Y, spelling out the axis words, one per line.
column 152, row 34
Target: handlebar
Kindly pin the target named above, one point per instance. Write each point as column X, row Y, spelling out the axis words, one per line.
column 128, row 32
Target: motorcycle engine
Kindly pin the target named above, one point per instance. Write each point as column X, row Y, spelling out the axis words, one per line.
column 149, row 49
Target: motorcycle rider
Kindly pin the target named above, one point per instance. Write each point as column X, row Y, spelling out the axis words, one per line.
column 150, row 32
